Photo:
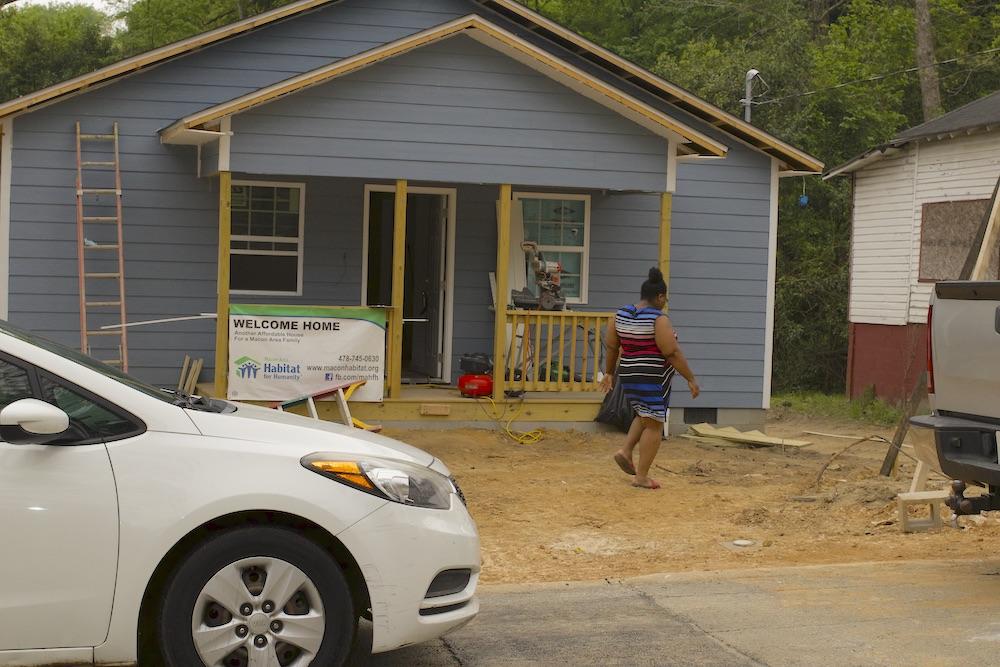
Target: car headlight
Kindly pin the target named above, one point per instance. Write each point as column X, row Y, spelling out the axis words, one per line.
column 400, row 482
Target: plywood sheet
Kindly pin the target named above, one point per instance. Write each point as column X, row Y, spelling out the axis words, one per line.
column 948, row 230
column 748, row 437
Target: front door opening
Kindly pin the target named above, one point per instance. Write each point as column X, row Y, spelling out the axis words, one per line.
column 424, row 288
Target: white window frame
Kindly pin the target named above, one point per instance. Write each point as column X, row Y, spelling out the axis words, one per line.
column 517, row 237
column 301, row 240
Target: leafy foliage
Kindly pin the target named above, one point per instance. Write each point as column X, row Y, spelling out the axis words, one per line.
column 40, row 45
column 866, row 409
column 153, row 23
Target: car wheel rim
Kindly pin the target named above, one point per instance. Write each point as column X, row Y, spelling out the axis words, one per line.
column 258, row 612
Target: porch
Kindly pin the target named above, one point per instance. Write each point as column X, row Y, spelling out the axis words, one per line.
column 550, row 361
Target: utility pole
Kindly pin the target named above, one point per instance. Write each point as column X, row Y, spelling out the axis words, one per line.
column 747, row 101
column 930, row 84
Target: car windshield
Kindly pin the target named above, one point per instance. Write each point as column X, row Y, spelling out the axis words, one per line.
column 165, row 395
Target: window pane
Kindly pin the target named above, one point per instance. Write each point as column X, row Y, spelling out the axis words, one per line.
column 287, row 200
column 241, row 223
column 571, row 262
column 573, row 235
column 264, row 273
column 551, row 234
column 14, row 384
column 261, row 224
column 262, row 199
column 241, row 196
column 287, row 225
column 286, row 247
column 260, row 245
column 93, row 419
column 530, row 209
column 573, row 210
column 531, row 232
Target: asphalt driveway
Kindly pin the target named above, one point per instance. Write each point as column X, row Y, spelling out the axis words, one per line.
column 901, row 613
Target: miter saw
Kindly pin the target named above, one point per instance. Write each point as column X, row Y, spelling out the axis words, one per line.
column 547, row 280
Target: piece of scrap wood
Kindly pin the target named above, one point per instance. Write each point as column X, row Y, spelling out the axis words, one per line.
column 750, row 437
column 715, row 442
column 845, row 437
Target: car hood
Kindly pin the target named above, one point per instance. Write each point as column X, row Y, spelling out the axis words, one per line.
column 255, row 424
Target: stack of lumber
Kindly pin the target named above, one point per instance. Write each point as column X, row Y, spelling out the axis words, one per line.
column 722, row 436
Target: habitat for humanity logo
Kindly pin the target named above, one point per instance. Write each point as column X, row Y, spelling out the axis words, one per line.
column 247, row 368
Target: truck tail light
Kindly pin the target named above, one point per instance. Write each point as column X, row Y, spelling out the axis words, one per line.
column 930, row 349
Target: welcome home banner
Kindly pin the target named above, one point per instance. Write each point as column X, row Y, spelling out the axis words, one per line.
column 279, row 353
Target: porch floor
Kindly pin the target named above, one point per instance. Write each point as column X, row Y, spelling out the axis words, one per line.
column 426, row 405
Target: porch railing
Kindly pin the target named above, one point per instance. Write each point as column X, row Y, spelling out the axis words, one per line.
column 555, row 351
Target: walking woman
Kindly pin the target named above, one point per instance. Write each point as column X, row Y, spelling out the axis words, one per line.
column 650, row 357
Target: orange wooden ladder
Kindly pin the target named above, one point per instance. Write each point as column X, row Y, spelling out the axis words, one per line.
column 87, row 198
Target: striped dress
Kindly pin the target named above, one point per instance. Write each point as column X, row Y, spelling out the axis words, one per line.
column 643, row 372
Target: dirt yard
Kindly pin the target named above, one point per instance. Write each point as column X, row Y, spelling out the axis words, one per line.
column 560, row 510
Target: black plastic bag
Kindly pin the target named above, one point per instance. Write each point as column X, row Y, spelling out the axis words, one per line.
column 615, row 410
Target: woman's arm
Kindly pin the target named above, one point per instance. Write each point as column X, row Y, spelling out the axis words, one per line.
column 666, row 340
column 612, row 354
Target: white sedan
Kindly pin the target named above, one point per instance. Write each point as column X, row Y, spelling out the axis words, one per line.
column 140, row 525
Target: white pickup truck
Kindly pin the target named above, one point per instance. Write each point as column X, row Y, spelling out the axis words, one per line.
column 963, row 365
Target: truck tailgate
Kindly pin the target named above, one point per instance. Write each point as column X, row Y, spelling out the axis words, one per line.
column 966, row 348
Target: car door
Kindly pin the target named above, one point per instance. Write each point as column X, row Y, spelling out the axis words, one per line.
column 58, row 522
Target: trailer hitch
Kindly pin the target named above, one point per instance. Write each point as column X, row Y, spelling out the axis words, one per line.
column 963, row 506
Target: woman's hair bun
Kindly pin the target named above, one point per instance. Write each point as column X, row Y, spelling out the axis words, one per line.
column 655, row 275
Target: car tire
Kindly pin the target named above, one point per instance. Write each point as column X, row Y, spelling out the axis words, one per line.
column 318, row 614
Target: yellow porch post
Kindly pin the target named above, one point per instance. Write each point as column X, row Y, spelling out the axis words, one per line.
column 398, row 275
column 666, row 214
column 222, row 304
column 503, row 290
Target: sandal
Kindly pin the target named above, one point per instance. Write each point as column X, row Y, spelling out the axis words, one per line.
column 627, row 467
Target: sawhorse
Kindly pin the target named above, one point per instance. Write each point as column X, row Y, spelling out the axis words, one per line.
column 342, row 393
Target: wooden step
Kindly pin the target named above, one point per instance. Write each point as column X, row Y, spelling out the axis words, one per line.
column 104, row 304
column 91, row 163
column 102, row 246
column 110, row 332
column 98, row 191
column 100, row 219
column 97, row 137
column 112, row 362
column 103, row 276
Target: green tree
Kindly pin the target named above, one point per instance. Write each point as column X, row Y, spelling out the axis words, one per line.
column 41, row 45
column 153, row 23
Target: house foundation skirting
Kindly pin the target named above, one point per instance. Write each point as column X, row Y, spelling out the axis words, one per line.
column 889, row 358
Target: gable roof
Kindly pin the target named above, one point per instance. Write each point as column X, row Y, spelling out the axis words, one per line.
column 486, row 33
column 792, row 157
column 982, row 114
column 972, row 116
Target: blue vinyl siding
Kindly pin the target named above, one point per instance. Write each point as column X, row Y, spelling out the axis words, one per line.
column 456, row 111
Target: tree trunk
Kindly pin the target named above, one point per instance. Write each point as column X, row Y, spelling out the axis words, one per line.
column 930, row 85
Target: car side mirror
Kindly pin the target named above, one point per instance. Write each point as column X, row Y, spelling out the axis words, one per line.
column 32, row 422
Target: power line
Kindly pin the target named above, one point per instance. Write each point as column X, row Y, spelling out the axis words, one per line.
column 877, row 77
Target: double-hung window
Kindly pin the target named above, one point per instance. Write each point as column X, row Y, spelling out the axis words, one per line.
column 267, row 238
column 560, row 225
